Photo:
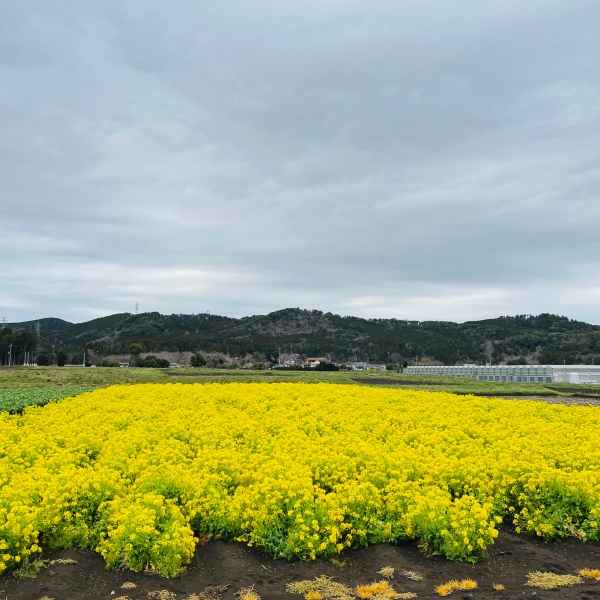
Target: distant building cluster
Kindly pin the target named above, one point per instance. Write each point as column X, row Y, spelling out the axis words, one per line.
column 289, row 361
column 516, row 373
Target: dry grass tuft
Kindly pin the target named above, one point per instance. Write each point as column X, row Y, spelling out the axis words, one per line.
column 128, row 585
column 30, row 569
column 122, row 598
column 210, row 593
column 387, row 572
column 382, row 590
column 248, row 594
column 550, row 581
column 325, row 586
column 377, row 590
column 412, row 575
column 445, row 589
column 161, row 595
column 590, row 573
column 498, row 587
column 63, row 561
column 313, row 596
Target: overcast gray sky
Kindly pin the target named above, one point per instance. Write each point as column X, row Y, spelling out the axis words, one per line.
column 403, row 158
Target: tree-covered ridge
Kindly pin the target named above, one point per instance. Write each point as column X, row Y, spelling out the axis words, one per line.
column 543, row 338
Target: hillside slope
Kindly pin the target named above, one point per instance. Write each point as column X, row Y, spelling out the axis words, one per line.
column 544, row 338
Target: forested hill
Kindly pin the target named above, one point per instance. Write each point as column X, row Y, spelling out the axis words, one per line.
column 544, row 338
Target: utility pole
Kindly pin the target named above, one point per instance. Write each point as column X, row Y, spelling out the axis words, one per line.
column 53, row 361
column 10, row 355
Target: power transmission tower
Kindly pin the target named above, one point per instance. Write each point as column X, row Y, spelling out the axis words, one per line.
column 37, row 330
column 3, row 322
column 136, row 308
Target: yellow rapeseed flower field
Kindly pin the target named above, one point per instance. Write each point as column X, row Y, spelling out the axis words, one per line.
column 139, row 472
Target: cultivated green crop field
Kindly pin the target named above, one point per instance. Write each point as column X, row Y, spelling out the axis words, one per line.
column 15, row 400
column 22, row 386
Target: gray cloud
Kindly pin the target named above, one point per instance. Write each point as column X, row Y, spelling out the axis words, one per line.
column 412, row 159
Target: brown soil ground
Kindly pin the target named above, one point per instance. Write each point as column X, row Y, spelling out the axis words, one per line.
column 567, row 400
column 381, row 381
column 235, row 566
column 583, row 399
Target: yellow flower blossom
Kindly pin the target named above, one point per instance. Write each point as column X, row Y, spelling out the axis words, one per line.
column 139, row 472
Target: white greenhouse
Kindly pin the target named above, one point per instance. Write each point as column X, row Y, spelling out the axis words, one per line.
column 518, row 373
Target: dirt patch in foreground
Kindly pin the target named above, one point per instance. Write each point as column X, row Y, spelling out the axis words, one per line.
column 236, row 566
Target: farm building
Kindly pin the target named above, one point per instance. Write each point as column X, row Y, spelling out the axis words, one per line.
column 315, row 361
column 517, row 373
column 359, row 366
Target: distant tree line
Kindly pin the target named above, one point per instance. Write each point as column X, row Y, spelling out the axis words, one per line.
column 17, row 346
column 543, row 338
